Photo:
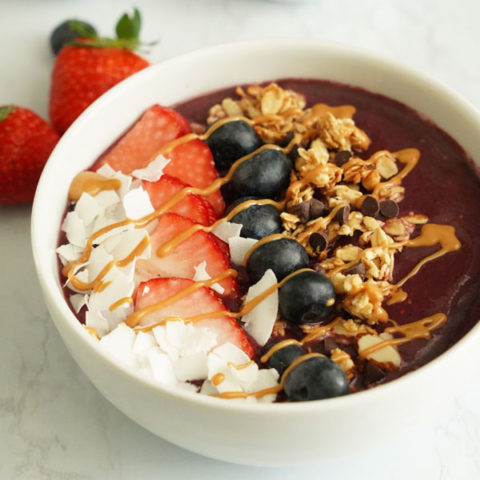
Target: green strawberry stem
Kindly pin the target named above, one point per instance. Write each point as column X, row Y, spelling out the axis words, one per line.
column 5, row 111
column 127, row 30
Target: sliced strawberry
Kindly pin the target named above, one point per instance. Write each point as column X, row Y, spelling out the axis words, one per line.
column 198, row 302
column 223, row 246
column 191, row 206
column 192, row 162
column 137, row 147
column 180, row 262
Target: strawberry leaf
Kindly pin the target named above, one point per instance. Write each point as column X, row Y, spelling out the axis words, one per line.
column 129, row 27
column 82, row 29
column 5, row 111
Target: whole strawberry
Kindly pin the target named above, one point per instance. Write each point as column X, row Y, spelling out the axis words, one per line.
column 26, row 142
column 89, row 67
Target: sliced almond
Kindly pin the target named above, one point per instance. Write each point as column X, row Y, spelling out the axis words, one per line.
column 386, row 357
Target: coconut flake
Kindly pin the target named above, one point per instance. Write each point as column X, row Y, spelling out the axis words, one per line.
column 201, row 274
column 119, row 286
column 129, row 240
column 143, row 342
column 208, row 388
column 126, row 180
column 97, row 321
column 238, row 374
column 188, row 339
column 228, row 352
column 69, row 252
column 191, row 367
column 74, row 228
column 137, row 204
column 118, row 315
column 162, row 367
column 260, row 320
column 119, row 342
column 106, row 170
column 109, row 215
column 239, row 247
column 99, row 259
column 266, row 378
column 87, row 208
column 161, row 338
column 153, row 171
column 218, row 367
column 112, row 232
column 78, row 300
column 227, row 230
column 107, row 198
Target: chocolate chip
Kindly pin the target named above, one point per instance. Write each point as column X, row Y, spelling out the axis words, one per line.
column 370, row 206
column 342, row 157
column 359, row 269
column 331, row 344
column 302, row 211
column 372, row 374
column 388, row 208
column 342, row 214
column 317, row 208
column 288, row 138
column 318, row 241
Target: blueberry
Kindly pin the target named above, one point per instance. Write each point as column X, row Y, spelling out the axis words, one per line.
column 258, row 220
column 282, row 358
column 232, row 141
column 265, row 175
column 306, row 297
column 283, row 256
column 67, row 32
column 314, row 379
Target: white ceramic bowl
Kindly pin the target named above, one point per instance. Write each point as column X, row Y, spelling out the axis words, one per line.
column 263, row 434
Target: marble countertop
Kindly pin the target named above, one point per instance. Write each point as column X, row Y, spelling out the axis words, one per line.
column 53, row 422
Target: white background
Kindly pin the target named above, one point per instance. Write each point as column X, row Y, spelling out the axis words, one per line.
column 53, row 423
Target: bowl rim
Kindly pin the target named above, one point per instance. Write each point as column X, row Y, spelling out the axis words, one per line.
column 55, row 296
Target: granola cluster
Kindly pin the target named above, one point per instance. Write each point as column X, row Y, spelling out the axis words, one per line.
column 341, row 207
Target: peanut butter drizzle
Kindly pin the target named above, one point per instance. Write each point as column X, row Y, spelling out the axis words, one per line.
column 218, row 378
column 409, row 157
column 120, row 302
column 419, row 329
column 100, row 286
column 92, row 183
column 319, row 331
column 278, row 346
column 137, row 316
column 319, row 111
column 432, row 234
column 92, row 331
column 240, row 366
column 398, row 296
